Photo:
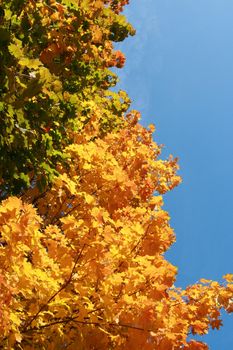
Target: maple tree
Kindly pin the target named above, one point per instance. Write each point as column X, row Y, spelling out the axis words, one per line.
column 55, row 60
column 82, row 261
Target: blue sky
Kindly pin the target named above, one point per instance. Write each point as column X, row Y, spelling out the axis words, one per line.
column 179, row 74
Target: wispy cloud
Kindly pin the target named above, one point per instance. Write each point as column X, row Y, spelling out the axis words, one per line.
column 136, row 50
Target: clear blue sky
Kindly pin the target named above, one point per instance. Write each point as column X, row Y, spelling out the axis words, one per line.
column 179, row 74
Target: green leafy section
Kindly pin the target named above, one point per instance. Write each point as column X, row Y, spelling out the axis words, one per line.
column 54, row 77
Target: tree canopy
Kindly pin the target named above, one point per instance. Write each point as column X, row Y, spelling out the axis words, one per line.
column 55, row 60
column 83, row 231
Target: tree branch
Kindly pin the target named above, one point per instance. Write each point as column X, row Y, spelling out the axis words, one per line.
column 56, row 293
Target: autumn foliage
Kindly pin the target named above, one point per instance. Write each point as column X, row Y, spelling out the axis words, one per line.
column 55, row 59
column 82, row 261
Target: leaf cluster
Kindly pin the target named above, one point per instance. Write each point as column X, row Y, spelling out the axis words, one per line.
column 55, row 59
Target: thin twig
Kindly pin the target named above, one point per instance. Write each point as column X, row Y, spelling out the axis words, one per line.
column 56, row 293
column 86, row 323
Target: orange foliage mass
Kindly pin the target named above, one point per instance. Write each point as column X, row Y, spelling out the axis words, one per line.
column 84, row 267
